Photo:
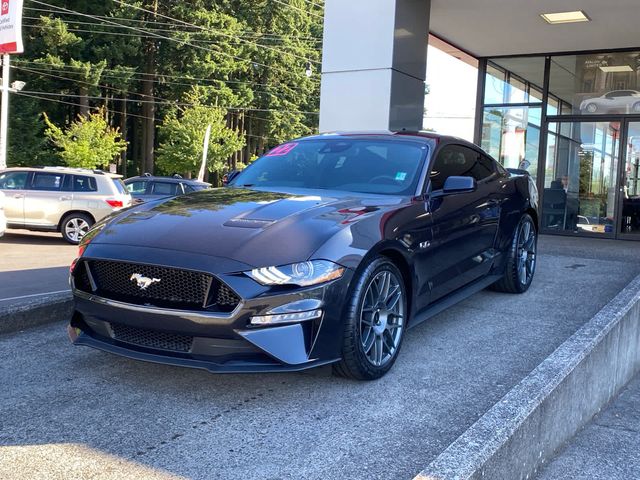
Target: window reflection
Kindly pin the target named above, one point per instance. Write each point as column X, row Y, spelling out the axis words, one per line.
column 581, row 177
column 596, row 84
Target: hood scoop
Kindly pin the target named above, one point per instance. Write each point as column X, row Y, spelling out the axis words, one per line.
column 248, row 223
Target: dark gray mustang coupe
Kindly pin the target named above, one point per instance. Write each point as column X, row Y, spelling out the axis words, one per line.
column 324, row 251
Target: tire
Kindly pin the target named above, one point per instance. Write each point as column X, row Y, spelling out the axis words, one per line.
column 74, row 227
column 522, row 255
column 636, row 107
column 373, row 329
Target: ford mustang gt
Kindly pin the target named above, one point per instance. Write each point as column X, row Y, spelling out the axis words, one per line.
column 324, row 251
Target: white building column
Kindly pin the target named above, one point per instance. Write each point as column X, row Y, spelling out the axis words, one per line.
column 374, row 64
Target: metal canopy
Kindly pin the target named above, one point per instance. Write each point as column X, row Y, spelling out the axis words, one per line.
column 486, row 28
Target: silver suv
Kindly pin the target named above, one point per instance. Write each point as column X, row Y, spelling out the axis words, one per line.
column 65, row 200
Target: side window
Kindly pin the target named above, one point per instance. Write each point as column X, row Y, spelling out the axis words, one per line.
column 84, row 184
column 165, row 188
column 188, row 188
column 137, row 188
column 13, row 180
column 47, row 181
column 483, row 167
column 459, row 161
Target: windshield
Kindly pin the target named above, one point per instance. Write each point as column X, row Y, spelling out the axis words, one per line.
column 364, row 166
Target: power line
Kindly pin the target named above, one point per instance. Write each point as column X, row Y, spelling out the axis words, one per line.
column 162, row 37
column 160, row 101
column 183, row 42
column 295, row 8
column 122, row 92
column 155, row 22
column 200, row 27
column 73, row 28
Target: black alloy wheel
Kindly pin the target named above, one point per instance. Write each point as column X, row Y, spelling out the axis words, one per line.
column 375, row 322
column 522, row 258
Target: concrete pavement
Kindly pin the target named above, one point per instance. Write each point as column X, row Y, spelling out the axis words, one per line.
column 606, row 449
column 70, row 412
column 33, row 264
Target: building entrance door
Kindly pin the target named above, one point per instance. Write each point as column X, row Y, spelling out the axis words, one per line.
column 582, row 178
column 629, row 191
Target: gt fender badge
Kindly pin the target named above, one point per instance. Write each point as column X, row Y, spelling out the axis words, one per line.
column 144, row 282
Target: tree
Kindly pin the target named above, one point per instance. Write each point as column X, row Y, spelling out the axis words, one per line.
column 182, row 138
column 89, row 142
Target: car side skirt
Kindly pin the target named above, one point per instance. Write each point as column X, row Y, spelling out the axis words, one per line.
column 453, row 298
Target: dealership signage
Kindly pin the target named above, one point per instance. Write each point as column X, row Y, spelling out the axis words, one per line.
column 11, row 26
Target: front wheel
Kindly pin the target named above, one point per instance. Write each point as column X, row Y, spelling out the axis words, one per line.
column 75, row 226
column 375, row 322
column 522, row 258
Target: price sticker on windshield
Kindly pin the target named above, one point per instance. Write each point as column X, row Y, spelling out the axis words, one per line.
column 282, row 150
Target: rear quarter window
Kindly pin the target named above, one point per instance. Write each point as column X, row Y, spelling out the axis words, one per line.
column 120, row 186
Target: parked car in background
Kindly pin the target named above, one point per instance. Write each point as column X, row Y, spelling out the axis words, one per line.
column 59, row 199
column 325, row 250
column 146, row 188
column 3, row 219
column 618, row 101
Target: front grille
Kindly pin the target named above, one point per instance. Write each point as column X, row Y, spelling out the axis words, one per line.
column 152, row 339
column 167, row 287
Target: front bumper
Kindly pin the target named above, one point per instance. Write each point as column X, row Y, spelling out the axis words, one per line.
column 222, row 343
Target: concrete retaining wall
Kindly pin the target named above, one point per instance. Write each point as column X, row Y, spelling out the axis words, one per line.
column 522, row 431
column 36, row 312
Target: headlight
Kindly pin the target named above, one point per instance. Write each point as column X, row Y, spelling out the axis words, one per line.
column 301, row 274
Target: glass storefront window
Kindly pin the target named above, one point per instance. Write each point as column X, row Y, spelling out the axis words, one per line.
column 512, row 136
column 631, row 182
column 596, row 84
column 495, row 86
column 581, row 177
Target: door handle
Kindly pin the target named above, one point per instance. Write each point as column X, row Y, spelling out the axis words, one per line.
column 64, row 199
column 18, row 195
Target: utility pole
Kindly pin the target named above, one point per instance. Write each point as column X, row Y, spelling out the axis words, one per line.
column 4, row 112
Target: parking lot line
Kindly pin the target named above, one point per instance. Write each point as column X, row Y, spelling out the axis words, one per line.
column 33, row 295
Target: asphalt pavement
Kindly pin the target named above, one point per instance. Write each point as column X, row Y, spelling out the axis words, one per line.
column 33, row 265
column 608, row 448
column 72, row 412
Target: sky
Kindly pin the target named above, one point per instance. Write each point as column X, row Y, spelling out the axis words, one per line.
column 451, row 102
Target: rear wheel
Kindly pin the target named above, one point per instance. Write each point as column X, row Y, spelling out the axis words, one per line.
column 75, row 226
column 375, row 323
column 522, row 258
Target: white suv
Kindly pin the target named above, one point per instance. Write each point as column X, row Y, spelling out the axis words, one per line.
column 3, row 220
column 65, row 200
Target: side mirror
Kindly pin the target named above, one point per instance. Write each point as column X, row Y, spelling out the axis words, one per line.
column 455, row 185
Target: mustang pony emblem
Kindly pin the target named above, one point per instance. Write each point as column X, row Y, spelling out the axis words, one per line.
column 144, row 282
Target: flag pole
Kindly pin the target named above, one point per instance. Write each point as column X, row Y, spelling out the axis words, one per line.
column 4, row 111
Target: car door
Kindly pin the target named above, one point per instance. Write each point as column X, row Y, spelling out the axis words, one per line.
column 13, row 184
column 138, row 190
column 464, row 225
column 45, row 200
column 160, row 190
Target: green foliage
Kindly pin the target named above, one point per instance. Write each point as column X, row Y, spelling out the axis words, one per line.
column 89, row 142
column 182, row 135
column 248, row 58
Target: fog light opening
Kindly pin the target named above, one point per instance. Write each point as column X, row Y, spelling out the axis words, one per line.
column 286, row 318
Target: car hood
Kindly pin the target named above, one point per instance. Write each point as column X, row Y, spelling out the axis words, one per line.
column 257, row 228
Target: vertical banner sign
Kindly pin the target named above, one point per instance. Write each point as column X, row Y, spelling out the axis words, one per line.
column 11, row 27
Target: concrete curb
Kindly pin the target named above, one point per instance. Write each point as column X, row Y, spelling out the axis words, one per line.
column 36, row 312
column 524, row 429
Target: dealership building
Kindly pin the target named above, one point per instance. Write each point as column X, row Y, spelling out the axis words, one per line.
column 558, row 92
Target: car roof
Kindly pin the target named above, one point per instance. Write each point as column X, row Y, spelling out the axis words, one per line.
column 388, row 134
column 166, row 179
column 70, row 170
